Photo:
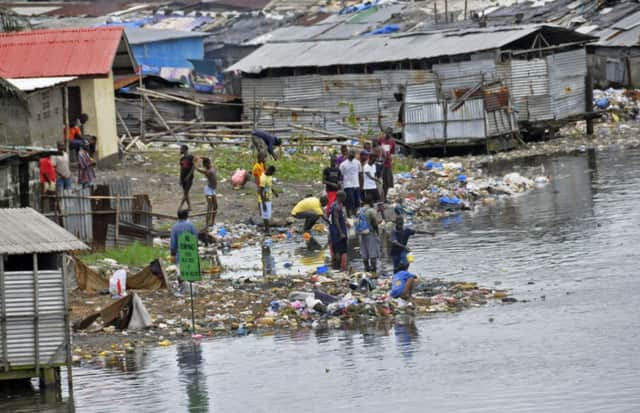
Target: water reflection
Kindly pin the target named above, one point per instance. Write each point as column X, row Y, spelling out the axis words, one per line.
column 190, row 364
column 406, row 335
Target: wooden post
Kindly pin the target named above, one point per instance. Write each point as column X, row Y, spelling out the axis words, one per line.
column 435, row 11
column 465, row 9
column 3, row 318
column 588, row 101
column 65, row 134
column 446, row 11
column 142, row 128
column 124, row 125
column 67, row 330
column 117, row 233
column 36, row 327
column 157, row 113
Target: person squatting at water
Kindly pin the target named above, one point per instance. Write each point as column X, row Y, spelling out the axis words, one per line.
column 338, row 232
column 210, row 191
column 310, row 209
column 403, row 282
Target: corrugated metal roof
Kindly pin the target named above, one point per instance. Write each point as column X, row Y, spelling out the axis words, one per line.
column 26, row 231
column 140, row 36
column 29, row 84
column 628, row 22
column 620, row 38
column 375, row 49
column 53, row 53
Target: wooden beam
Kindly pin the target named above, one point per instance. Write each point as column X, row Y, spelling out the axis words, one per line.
column 161, row 95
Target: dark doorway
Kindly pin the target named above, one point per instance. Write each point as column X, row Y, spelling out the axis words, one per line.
column 75, row 103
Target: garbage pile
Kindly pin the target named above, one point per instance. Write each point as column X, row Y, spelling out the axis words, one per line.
column 618, row 104
column 439, row 188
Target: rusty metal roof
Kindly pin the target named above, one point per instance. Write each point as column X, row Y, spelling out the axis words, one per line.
column 53, row 53
column 26, row 231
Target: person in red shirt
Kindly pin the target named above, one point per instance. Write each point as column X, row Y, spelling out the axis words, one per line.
column 388, row 146
column 47, row 178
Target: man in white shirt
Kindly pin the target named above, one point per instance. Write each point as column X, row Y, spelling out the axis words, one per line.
column 350, row 170
column 370, row 182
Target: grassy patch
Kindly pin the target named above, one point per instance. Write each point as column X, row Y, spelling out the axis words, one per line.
column 298, row 167
column 301, row 166
column 135, row 255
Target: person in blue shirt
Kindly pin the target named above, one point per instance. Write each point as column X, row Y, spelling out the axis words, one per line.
column 399, row 239
column 265, row 142
column 403, row 282
column 183, row 225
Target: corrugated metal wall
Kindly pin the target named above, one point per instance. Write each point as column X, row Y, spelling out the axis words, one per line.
column 369, row 98
column 567, row 73
column 76, row 212
column 549, row 88
column 19, row 294
column 428, row 116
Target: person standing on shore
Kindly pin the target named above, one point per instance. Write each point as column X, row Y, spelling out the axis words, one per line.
column 63, row 171
column 86, row 173
column 370, row 184
column 265, row 193
column 338, row 232
column 47, row 181
column 389, row 149
column 331, row 178
column 367, row 228
column 350, row 170
column 344, row 153
column 210, row 191
column 187, row 166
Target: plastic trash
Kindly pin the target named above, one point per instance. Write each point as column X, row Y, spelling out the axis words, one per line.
column 445, row 200
column 602, row 103
column 323, row 269
column 118, row 284
column 222, row 231
column 433, row 165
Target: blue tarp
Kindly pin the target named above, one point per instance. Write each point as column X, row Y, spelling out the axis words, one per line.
column 390, row 28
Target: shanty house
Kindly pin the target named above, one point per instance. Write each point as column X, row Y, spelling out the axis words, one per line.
column 615, row 58
column 166, row 53
column 447, row 87
column 34, row 309
column 84, row 61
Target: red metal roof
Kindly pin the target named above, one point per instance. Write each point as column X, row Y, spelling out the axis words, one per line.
column 66, row 52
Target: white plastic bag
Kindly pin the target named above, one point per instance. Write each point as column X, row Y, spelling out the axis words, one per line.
column 118, row 284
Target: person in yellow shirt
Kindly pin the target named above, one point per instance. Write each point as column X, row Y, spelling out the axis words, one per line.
column 310, row 209
column 259, row 168
column 265, row 192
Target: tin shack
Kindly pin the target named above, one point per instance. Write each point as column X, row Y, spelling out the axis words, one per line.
column 442, row 87
column 34, row 310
